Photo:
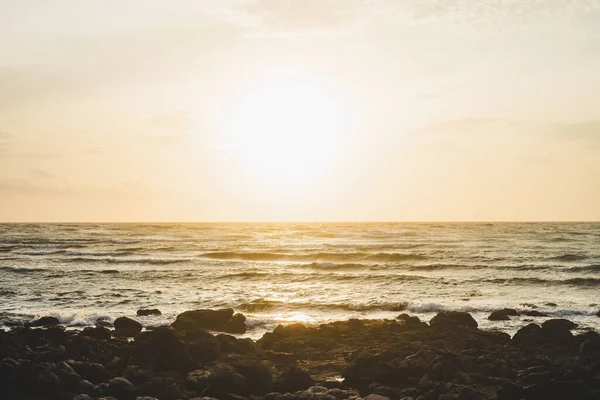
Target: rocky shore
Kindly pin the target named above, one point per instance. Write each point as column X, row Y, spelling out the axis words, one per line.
column 444, row 359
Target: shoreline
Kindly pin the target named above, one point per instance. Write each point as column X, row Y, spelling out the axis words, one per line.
column 447, row 358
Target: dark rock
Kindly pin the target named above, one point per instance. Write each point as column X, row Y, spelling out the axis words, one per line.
column 534, row 313
column 367, row 368
column 527, row 336
column 509, row 391
column 93, row 372
column 125, row 332
column 511, row 312
column 218, row 320
column 98, row 332
column 551, row 304
column 44, row 321
column 598, row 314
column 231, row 344
column 292, row 379
column 144, row 313
column 290, row 330
column 120, row 388
column 126, row 326
column 82, row 396
column 162, row 349
column 202, row 345
column 452, row 319
column 499, row 315
column 136, row 375
column 558, row 324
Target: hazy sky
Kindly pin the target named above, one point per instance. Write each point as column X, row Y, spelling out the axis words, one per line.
column 247, row 110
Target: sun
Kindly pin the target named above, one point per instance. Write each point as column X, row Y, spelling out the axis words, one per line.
column 287, row 131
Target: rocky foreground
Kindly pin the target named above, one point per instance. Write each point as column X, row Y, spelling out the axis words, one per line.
column 449, row 358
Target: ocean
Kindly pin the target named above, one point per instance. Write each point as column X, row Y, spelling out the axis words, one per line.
column 300, row 272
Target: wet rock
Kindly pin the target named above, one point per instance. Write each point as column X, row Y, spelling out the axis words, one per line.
column 162, row 349
column 222, row 320
column 82, row 396
column 136, row 375
column 98, row 332
column 231, row 344
column 201, row 345
column 533, row 313
column 292, row 379
column 598, row 314
column 44, row 321
column 290, row 330
column 376, row 397
column 499, row 315
column 452, row 319
column 200, row 379
column 551, row 304
column 146, row 312
column 527, row 336
column 126, row 327
column 367, row 368
column 120, row 388
column 558, row 324
column 93, row 372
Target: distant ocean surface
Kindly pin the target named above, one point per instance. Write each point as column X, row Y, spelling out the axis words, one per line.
column 281, row 273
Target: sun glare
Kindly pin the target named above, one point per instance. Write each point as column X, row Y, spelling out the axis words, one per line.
column 288, row 131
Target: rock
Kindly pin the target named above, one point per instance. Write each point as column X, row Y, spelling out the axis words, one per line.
column 598, row 314
column 534, row 313
column 136, row 375
column 44, row 321
column 558, row 324
column 376, row 397
column 499, row 315
column 551, row 304
column 98, row 332
column 126, row 327
column 120, row 388
column 144, row 313
column 202, row 345
column 290, row 330
column 292, row 379
column 452, row 319
column 93, row 372
column 162, row 349
column 527, row 336
column 82, row 397
column 217, row 320
column 200, row 379
column 367, row 368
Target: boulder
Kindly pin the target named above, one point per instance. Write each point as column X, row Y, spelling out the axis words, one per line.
column 44, row 321
column 120, row 388
column 292, row 379
column 126, row 327
column 98, row 332
column 452, row 319
column 558, row 324
column 527, row 336
column 534, row 313
column 162, row 349
column 296, row 329
column 146, row 312
column 499, row 315
column 222, row 320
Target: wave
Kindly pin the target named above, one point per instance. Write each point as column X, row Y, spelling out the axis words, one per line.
column 569, row 257
column 350, row 256
column 22, row 270
column 334, row 266
column 542, row 281
column 264, row 305
column 586, row 268
column 112, row 260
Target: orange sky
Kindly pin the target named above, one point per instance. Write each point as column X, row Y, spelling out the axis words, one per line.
column 265, row 110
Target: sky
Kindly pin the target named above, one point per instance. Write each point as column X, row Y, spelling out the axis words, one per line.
column 299, row 110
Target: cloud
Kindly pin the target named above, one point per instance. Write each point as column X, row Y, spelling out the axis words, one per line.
column 4, row 142
column 584, row 132
column 459, row 126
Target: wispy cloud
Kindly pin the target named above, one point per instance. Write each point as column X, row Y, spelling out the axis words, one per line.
column 585, row 132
